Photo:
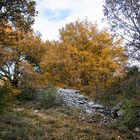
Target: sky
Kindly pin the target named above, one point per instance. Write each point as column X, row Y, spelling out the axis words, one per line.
column 55, row 14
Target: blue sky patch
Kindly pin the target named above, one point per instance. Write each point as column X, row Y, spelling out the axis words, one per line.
column 55, row 15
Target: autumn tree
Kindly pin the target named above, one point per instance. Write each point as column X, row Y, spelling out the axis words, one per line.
column 124, row 18
column 16, row 53
column 32, row 52
column 84, row 57
column 19, row 13
column 16, row 44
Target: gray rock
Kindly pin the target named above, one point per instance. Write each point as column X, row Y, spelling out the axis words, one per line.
column 89, row 111
column 116, row 111
column 73, row 98
column 80, row 102
column 81, row 96
column 120, row 113
column 97, row 106
column 91, row 103
column 117, row 107
column 137, row 129
column 106, row 112
column 71, row 91
column 100, row 110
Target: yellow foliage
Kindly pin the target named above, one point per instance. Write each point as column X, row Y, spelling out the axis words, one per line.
column 16, row 48
column 84, row 56
column 8, row 90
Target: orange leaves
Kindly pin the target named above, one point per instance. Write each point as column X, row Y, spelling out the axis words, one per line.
column 16, row 48
column 84, row 56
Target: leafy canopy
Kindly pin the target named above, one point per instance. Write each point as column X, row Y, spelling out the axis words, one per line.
column 84, row 57
column 18, row 13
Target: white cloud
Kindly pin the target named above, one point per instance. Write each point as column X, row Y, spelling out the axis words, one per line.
column 49, row 25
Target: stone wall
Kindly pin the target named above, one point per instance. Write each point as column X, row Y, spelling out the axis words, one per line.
column 73, row 98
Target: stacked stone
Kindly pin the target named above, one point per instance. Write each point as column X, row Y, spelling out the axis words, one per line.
column 73, row 98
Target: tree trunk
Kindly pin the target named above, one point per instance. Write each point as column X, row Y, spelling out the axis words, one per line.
column 15, row 81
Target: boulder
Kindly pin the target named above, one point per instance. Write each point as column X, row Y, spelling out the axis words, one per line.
column 117, row 107
column 116, row 111
column 137, row 129
column 120, row 113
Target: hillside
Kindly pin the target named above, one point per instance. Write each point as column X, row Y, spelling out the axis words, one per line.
column 27, row 121
column 82, row 85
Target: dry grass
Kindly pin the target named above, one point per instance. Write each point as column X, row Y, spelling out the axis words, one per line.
column 26, row 122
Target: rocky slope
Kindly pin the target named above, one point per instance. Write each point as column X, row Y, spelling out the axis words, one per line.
column 73, row 98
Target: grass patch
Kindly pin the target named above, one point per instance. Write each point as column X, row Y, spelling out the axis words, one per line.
column 59, row 123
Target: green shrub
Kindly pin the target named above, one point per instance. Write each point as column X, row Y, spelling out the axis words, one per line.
column 3, row 105
column 29, row 94
column 130, row 113
column 49, row 97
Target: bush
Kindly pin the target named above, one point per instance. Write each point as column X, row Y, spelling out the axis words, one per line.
column 7, row 93
column 130, row 109
column 49, row 97
column 2, row 105
column 28, row 94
